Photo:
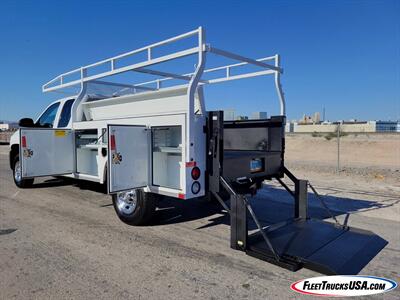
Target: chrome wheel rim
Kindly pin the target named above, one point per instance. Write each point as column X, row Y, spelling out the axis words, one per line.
column 127, row 202
column 17, row 172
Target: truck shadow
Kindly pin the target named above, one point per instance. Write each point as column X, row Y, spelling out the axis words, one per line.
column 62, row 181
column 7, row 231
column 271, row 205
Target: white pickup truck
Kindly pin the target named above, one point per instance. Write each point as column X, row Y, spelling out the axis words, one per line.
column 143, row 139
column 156, row 138
column 139, row 136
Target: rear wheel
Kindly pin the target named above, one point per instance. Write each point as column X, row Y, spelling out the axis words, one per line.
column 17, row 175
column 135, row 207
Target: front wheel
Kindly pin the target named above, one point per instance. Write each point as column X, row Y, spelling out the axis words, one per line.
column 134, row 207
column 17, row 175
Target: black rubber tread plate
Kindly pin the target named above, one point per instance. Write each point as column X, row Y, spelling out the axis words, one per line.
column 348, row 254
column 320, row 246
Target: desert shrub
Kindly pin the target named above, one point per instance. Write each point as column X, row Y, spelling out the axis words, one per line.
column 334, row 134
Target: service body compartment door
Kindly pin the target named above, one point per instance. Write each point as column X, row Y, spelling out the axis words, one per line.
column 45, row 152
column 128, row 157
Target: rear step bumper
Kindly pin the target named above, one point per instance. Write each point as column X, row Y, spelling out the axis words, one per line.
column 319, row 246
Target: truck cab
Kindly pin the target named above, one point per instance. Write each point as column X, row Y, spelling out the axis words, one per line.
column 56, row 115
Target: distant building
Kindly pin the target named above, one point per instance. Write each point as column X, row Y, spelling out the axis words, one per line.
column 316, row 119
column 289, row 127
column 387, row 126
column 259, row 115
column 242, row 118
column 229, row 115
column 8, row 126
column 345, row 126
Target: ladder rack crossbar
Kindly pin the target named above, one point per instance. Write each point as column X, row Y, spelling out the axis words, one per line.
column 244, row 59
column 227, row 77
column 123, row 85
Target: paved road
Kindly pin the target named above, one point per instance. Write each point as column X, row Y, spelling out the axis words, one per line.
column 61, row 239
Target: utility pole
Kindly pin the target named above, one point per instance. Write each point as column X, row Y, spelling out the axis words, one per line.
column 338, row 149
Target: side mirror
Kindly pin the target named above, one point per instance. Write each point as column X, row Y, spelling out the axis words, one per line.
column 26, row 122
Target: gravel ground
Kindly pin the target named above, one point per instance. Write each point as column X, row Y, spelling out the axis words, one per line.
column 62, row 240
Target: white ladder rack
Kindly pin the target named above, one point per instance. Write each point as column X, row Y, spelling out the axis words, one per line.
column 64, row 80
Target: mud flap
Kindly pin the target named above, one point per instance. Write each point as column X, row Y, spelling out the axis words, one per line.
column 320, row 246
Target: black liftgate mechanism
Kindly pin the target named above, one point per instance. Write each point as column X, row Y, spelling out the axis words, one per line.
column 240, row 156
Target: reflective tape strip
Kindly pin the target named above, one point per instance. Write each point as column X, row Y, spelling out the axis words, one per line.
column 190, row 164
column 112, row 142
column 23, row 141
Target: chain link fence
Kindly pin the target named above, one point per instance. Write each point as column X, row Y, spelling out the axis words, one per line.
column 369, row 153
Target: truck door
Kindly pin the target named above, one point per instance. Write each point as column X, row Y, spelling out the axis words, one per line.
column 128, row 157
column 45, row 152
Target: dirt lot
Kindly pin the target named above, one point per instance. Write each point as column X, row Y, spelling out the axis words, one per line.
column 381, row 151
column 62, row 239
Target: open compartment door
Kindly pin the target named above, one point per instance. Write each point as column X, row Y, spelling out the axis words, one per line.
column 45, row 152
column 128, row 157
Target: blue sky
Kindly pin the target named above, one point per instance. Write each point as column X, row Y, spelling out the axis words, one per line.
column 341, row 55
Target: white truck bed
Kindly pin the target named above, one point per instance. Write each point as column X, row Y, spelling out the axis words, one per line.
column 162, row 102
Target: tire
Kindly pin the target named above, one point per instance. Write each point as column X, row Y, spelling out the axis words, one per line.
column 17, row 175
column 135, row 207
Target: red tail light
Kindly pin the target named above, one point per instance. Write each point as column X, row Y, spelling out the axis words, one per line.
column 196, row 173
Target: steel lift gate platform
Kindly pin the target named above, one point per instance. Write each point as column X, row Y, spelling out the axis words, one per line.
column 325, row 247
